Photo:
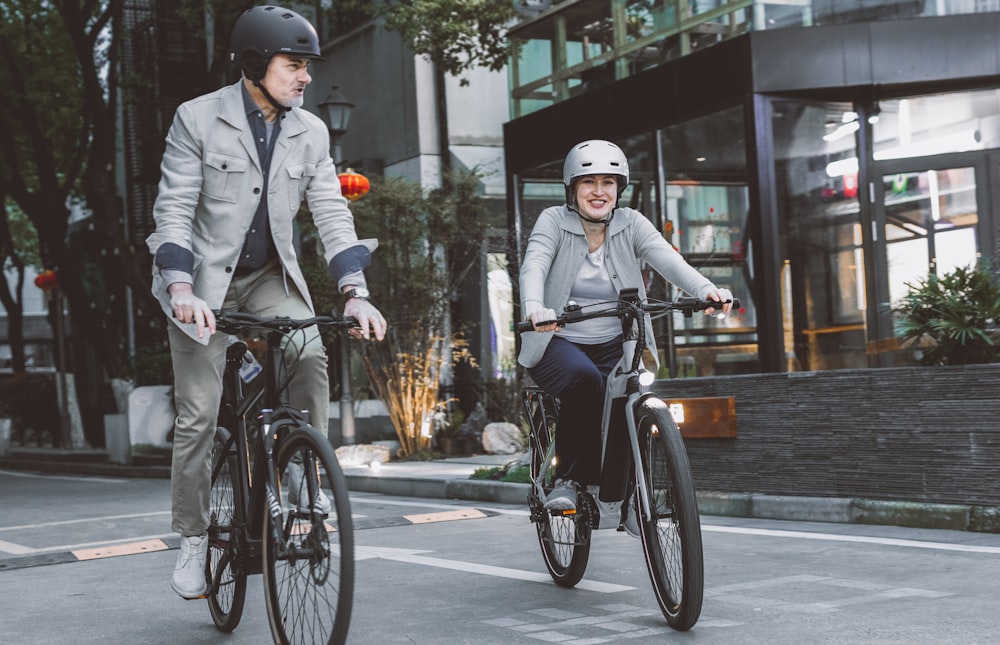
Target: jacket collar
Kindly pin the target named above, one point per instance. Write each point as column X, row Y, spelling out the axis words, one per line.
column 233, row 112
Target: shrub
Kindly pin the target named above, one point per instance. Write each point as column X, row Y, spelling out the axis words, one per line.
column 29, row 400
column 952, row 319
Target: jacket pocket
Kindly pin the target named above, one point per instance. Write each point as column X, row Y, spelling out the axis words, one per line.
column 299, row 177
column 223, row 176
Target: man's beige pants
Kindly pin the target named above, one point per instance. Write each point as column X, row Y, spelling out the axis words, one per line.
column 198, row 388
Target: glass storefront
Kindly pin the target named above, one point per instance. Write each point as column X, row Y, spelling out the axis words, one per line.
column 850, row 236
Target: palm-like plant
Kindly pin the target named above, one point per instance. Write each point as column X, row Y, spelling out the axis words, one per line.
column 952, row 319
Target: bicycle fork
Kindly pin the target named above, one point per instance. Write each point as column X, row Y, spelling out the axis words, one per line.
column 640, row 473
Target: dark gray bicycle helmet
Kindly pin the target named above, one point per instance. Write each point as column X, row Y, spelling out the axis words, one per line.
column 262, row 32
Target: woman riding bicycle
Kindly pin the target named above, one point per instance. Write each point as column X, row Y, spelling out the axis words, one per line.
column 586, row 252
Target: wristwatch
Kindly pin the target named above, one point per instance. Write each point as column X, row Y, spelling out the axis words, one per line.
column 357, row 292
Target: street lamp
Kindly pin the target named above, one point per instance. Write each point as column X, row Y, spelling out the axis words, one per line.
column 335, row 110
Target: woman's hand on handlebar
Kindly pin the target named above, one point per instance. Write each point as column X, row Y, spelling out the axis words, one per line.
column 543, row 315
column 724, row 296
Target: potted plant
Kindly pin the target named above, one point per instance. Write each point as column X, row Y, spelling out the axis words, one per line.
column 953, row 319
column 447, row 427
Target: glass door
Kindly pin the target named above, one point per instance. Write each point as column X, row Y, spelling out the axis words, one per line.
column 927, row 222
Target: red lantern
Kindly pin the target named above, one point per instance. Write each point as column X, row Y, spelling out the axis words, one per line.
column 47, row 280
column 354, row 186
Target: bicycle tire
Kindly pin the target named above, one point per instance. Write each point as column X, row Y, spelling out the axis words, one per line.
column 671, row 541
column 225, row 565
column 564, row 540
column 309, row 591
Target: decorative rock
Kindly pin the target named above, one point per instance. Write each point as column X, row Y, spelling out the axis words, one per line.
column 502, row 439
column 362, row 454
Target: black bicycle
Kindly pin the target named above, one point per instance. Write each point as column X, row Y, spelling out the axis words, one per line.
column 645, row 473
column 279, row 499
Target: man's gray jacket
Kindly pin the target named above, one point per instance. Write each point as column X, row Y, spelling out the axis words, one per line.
column 210, row 186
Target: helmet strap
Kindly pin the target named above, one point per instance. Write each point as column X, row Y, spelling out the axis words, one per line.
column 606, row 221
column 271, row 99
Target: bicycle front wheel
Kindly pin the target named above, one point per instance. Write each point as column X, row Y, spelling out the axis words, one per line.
column 309, row 569
column 564, row 539
column 671, row 538
column 225, row 565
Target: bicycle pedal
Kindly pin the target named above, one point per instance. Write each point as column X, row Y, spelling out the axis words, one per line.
column 564, row 512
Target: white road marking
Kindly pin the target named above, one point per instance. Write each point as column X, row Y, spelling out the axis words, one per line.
column 413, row 557
column 75, row 478
column 15, row 549
column 355, row 498
column 98, row 543
column 83, row 520
column 863, row 539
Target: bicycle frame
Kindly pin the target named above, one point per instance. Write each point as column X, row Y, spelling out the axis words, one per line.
column 624, row 381
column 274, row 416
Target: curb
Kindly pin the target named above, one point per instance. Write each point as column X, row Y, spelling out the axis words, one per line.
column 842, row 510
column 839, row 510
column 468, row 489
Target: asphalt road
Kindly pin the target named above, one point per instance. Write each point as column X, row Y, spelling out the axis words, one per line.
column 450, row 572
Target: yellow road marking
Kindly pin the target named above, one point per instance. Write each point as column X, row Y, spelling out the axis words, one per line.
column 121, row 549
column 460, row 514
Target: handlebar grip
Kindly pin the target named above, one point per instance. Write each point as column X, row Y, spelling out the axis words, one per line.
column 524, row 326
column 736, row 303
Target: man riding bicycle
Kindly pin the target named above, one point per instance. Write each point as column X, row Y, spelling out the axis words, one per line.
column 237, row 165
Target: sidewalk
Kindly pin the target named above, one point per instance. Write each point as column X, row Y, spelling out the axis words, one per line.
column 449, row 479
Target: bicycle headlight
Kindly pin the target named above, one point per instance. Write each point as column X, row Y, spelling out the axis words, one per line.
column 646, row 378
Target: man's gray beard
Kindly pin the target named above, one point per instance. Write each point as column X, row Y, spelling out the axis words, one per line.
column 294, row 102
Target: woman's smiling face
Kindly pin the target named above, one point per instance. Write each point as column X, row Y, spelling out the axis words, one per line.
column 596, row 195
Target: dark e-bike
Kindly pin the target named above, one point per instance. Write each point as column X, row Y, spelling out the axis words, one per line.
column 645, row 470
column 279, row 500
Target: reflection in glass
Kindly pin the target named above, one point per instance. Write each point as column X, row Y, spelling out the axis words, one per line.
column 823, row 287
column 930, row 224
column 706, row 206
column 930, row 125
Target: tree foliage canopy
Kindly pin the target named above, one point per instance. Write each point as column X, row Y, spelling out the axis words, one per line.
column 457, row 35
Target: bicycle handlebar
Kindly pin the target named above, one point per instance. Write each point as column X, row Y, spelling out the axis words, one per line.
column 619, row 308
column 232, row 322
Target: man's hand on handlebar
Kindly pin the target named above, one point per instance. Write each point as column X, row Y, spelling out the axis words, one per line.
column 724, row 296
column 189, row 308
column 370, row 320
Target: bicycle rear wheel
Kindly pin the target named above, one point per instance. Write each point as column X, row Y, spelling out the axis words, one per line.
column 309, row 573
column 225, row 565
column 564, row 539
column 671, row 539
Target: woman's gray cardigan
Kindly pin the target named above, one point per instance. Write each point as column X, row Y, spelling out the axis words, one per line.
column 557, row 248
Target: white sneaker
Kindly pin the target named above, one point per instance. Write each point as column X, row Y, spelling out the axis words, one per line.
column 298, row 489
column 562, row 497
column 189, row 573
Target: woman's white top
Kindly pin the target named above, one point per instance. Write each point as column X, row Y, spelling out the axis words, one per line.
column 592, row 287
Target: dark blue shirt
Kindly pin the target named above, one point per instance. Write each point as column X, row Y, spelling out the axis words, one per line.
column 258, row 248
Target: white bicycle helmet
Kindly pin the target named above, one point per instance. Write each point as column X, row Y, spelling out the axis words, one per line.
column 595, row 157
